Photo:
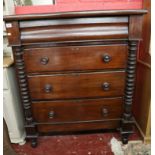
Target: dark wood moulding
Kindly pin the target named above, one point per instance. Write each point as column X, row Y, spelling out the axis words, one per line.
column 74, row 14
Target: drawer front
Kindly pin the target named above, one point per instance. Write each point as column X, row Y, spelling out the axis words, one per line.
column 77, row 110
column 73, row 29
column 87, row 126
column 77, row 85
column 75, row 58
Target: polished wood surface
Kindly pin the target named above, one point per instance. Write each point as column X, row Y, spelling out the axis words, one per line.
column 142, row 97
column 75, row 58
column 70, row 26
column 87, row 126
column 76, row 85
column 87, row 57
column 141, row 107
column 69, row 21
column 67, row 30
column 144, row 53
column 13, row 33
column 75, row 14
column 134, row 29
column 77, row 110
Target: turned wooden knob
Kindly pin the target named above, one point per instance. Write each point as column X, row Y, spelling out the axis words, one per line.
column 51, row 114
column 48, row 88
column 44, row 60
column 106, row 86
column 105, row 112
column 106, row 58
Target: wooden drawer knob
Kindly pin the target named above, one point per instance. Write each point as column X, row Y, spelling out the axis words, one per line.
column 44, row 60
column 51, row 114
column 106, row 86
column 48, row 88
column 105, row 112
column 106, row 58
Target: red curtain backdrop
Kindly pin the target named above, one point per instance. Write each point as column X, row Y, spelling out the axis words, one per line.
column 80, row 5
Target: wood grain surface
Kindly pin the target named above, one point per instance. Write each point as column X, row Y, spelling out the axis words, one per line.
column 77, row 110
column 76, row 85
column 75, row 58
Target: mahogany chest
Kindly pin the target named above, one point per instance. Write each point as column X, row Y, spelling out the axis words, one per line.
column 76, row 70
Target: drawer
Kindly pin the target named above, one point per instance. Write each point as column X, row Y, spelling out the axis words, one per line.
column 77, row 110
column 75, row 58
column 76, row 85
column 75, row 127
column 73, row 29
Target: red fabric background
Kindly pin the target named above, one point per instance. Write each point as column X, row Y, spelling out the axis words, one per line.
column 80, row 5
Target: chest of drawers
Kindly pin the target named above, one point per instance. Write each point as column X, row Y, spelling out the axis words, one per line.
column 76, row 70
